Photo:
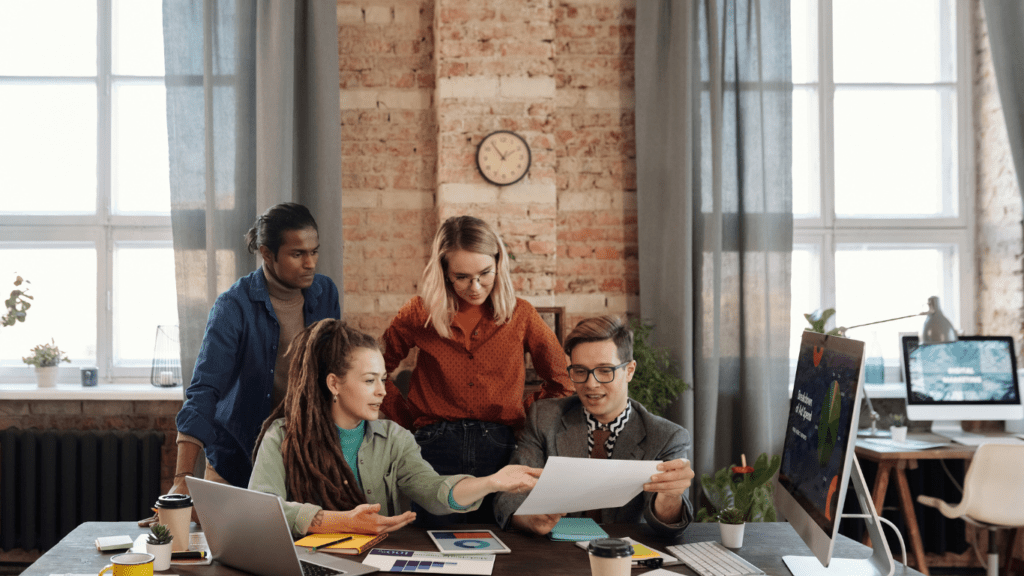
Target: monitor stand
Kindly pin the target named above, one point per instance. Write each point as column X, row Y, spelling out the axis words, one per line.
column 880, row 563
column 954, row 431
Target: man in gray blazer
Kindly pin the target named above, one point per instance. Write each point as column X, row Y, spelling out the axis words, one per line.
column 602, row 422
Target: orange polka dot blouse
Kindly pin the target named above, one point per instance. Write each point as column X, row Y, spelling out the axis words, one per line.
column 479, row 377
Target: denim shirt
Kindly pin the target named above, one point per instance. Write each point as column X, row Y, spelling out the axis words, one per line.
column 230, row 393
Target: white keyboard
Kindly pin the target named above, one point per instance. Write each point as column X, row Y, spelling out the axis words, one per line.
column 712, row 559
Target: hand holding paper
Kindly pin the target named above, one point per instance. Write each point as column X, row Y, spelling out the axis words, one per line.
column 577, row 484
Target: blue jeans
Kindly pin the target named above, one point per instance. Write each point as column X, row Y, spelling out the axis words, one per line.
column 464, row 447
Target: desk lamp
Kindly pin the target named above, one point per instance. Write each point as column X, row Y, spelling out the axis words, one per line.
column 937, row 329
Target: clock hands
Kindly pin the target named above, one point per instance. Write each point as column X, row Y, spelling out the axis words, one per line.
column 498, row 151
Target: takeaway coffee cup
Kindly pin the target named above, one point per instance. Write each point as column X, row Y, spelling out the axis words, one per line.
column 130, row 564
column 175, row 510
column 610, row 557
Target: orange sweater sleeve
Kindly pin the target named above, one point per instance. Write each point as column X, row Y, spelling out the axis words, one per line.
column 397, row 341
column 548, row 360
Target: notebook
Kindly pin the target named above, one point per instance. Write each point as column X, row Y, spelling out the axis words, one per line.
column 247, row 530
column 577, row 530
column 356, row 543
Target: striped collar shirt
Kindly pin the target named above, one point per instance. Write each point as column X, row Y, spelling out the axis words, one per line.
column 613, row 427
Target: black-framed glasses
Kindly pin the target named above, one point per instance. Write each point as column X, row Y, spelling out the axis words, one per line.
column 603, row 374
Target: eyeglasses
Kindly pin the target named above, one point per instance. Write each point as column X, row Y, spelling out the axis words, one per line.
column 603, row 374
column 463, row 282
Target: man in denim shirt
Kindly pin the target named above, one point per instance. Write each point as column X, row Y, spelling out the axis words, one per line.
column 241, row 372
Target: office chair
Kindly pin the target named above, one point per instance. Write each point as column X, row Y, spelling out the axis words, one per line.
column 993, row 495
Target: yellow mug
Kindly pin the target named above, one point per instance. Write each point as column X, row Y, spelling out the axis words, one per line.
column 130, row 564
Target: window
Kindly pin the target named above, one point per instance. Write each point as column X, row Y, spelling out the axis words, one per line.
column 85, row 215
column 882, row 174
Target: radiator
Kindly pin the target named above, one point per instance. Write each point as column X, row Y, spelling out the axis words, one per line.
column 53, row 480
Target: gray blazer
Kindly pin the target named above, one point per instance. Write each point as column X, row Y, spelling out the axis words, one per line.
column 558, row 427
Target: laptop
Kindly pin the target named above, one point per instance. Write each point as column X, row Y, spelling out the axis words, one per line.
column 248, row 530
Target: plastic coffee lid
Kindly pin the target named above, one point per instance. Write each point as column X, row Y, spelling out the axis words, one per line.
column 171, row 501
column 610, row 548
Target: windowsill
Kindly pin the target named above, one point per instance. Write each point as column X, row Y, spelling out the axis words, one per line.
column 100, row 392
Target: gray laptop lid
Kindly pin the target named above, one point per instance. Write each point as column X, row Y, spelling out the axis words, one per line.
column 248, row 530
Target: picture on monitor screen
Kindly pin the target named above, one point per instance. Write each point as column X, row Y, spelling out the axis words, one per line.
column 975, row 371
column 818, row 434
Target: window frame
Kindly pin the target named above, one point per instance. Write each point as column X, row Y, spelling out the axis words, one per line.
column 827, row 231
column 102, row 228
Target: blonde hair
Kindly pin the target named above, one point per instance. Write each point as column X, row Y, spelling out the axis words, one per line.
column 439, row 298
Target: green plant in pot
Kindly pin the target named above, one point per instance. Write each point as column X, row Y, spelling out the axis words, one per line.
column 45, row 358
column 819, row 318
column 654, row 384
column 746, row 488
column 158, row 543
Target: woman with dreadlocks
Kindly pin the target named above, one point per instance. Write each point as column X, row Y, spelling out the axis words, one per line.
column 336, row 467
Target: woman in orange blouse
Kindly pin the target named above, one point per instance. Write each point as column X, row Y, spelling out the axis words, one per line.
column 465, row 400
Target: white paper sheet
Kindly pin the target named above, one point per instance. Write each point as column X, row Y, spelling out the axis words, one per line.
column 577, row 484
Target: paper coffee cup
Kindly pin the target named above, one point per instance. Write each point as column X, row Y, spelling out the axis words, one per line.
column 175, row 511
column 610, row 557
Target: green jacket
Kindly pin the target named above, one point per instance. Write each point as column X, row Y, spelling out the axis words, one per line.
column 390, row 468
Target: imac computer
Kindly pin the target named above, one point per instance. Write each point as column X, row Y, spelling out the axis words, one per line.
column 974, row 378
column 818, row 457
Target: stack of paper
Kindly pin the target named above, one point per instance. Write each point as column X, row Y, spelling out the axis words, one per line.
column 576, row 530
column 387, row 560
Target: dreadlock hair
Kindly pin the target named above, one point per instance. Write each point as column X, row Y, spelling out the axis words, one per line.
column 316, row 469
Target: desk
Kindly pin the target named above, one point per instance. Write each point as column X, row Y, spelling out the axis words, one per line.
column 890, row 461
column 764, row 545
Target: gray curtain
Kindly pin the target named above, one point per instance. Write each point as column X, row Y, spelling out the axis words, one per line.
column 713, row 124
column 1005, row 20
column 253, row 119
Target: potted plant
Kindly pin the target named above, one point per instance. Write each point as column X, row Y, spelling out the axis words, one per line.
column 655, row 383
column 159, row 545
column 817, row 320
column 731, row 523
column 45, row 358
column 898, row 428
column 745, row 488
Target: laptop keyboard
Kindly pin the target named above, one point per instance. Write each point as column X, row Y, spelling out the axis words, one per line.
column 310, row 569
column 712, row 559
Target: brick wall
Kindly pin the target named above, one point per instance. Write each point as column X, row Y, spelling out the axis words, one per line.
column 423, row 81
column 1000, row 243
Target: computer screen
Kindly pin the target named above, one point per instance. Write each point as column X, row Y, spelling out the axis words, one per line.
column 820, row 437
column 974, row 378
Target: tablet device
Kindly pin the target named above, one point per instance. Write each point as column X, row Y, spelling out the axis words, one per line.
column 467, row 542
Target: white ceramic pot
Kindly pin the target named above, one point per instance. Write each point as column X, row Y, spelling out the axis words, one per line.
column 732, row 535
column 161, row 555
column 899, row 433
column 46, row 376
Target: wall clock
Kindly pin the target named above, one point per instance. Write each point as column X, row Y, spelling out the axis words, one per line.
column 503, row 157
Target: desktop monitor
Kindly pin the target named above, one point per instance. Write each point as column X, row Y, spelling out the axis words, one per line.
column 818, row 455
column 974, row 378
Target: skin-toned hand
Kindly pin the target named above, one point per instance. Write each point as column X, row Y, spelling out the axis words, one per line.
column 363, row 519
column 179, row 487
column 536, row 523
column 671, row 482
column 515, row 478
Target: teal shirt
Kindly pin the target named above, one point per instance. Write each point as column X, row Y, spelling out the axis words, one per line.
column 351, row 440
column 392, row 471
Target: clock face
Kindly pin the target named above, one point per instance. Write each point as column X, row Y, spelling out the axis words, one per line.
column 503, row 158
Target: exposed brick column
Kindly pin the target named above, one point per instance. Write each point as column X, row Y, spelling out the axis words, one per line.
column 388, row 153
column 598, row 271
column 495, row 71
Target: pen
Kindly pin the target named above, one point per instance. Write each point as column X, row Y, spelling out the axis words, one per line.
column 338, row 541
column 188, row 555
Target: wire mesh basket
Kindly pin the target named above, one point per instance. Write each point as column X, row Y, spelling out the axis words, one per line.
column 166, row 370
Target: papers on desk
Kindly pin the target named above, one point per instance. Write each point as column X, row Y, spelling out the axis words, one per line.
column 405, row 561
column 889, row 445
column 196, row 543
column 578, row 484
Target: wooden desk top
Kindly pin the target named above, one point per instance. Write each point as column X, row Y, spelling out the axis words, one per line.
column 764, row 544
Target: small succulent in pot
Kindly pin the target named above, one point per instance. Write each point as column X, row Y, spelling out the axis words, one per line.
column 730, row 515
column 45, row 355
column 160, row 534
